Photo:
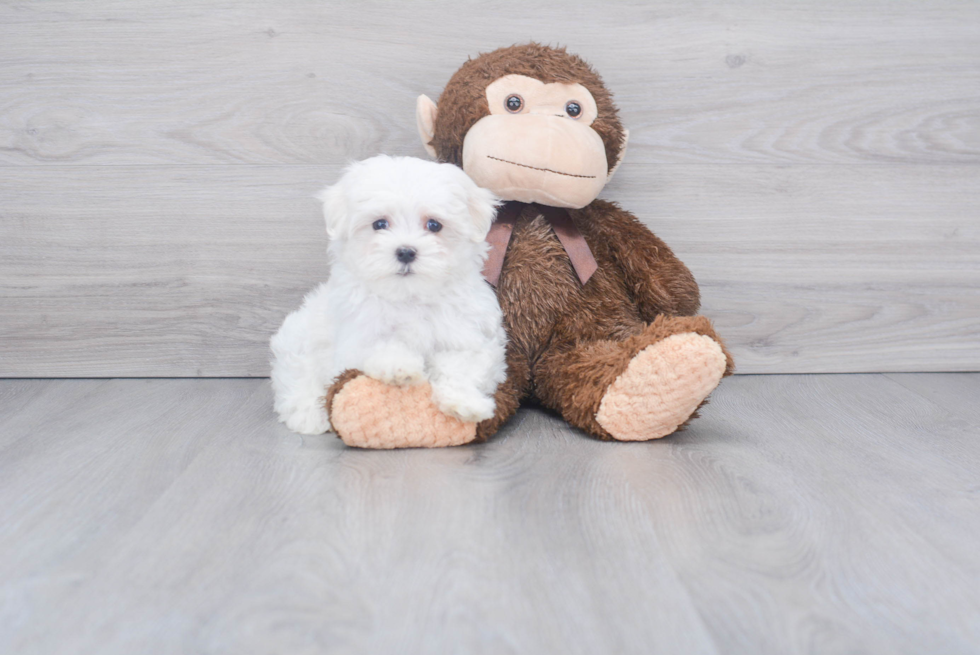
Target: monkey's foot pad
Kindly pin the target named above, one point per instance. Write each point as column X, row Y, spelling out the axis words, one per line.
column 661, row 387
column 367, row 413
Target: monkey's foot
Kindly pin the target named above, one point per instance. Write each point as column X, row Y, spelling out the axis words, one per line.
column 662, row 387
column 366, row 413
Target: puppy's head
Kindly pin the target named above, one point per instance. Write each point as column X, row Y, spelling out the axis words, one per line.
column 407, row 223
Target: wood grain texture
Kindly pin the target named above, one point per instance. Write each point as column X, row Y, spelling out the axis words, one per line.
column 317, row 82
column 187, row 272
column 958, row 393
column 801, row 514
column 819, row 509
column 815, row 164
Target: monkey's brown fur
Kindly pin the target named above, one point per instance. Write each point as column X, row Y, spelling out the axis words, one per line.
column 569, row 342
column 463, row 102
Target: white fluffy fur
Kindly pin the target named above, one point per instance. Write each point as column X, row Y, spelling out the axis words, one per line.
column 433, row 320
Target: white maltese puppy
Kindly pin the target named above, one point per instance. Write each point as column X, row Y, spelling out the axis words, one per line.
column 405, row 302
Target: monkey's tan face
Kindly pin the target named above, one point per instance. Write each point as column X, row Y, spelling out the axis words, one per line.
column 537, row 144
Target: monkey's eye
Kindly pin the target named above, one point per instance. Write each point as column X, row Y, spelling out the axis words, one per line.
column 514, row 103
column 433, row 225
column 573, row 109
column 380, row 224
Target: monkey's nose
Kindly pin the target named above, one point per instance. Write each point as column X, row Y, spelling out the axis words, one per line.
column 405, row 254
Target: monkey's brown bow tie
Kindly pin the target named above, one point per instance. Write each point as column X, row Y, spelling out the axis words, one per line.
column 571, row 239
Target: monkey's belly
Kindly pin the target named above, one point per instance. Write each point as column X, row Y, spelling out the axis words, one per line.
column 545, row 304
column 537, row 286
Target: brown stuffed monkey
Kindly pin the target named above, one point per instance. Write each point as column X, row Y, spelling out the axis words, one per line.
column 601, row 316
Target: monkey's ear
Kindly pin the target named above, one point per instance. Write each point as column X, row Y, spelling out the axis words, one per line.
column 622, row 153
column 425, row 118
column 334, row 209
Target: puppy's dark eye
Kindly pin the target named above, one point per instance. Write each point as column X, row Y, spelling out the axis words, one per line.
column 433, row 225
column 514, row 103
column 573, row 109
column 380, row 224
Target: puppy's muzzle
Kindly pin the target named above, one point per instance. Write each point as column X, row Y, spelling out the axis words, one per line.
column 406, row 255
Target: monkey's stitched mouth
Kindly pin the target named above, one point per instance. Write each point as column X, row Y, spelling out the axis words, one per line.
column 546, row 170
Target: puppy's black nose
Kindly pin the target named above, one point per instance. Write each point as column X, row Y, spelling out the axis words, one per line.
column 405, row 255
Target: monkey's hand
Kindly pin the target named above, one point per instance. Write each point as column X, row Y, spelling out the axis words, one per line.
column 658, row 281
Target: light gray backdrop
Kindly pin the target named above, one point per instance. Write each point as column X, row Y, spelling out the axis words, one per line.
column 816, row 164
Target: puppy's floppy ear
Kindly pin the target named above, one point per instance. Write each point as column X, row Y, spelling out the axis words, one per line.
column 482, row 204
column 334, row 209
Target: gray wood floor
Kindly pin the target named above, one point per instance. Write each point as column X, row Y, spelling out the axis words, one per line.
column 824, row 514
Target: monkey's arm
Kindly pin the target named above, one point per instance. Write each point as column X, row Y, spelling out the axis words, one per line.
column 658, row 281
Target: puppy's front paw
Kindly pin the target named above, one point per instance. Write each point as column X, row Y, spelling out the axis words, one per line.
column 469, row 406
column 398, row 368
column 307, row 420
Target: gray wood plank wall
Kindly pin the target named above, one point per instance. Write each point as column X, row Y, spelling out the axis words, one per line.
column 816, row 164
